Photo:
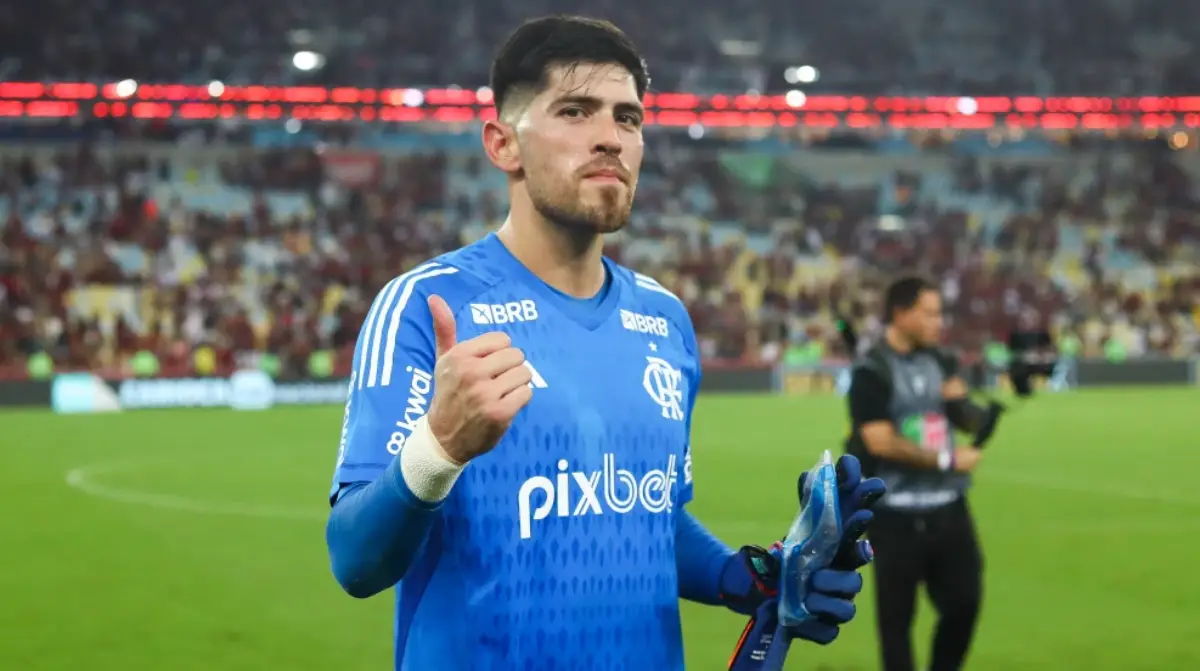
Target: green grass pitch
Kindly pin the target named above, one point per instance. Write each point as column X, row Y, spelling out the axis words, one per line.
column 193, row 540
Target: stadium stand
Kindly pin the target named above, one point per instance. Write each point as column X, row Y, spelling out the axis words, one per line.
column 123, row 235
column 106, row 253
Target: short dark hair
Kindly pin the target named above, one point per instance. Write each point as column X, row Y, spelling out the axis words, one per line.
column 525, row 59
column 903, row 294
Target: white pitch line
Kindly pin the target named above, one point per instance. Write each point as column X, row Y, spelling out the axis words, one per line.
column 83, row 479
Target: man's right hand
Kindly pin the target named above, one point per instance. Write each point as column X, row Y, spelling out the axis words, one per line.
column 480, row 386
column 966, row 459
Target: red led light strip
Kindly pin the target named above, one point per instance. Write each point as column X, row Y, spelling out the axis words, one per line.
column 180, row 101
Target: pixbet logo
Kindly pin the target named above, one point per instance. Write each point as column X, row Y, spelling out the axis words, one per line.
column 616, row 489
column 504, row 313
column 418, row 403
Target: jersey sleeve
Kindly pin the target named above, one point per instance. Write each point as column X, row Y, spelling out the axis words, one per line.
column 391, row 383
column 869, row 397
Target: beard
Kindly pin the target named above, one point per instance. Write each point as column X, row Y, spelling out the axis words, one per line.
column 606, row 212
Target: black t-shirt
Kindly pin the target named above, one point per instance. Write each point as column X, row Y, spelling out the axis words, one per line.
column 870, row 393
column 870, row 398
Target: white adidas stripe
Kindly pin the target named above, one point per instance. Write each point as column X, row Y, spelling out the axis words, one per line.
column 537, row 381
column 372, row 331
column 394, row 326
column 364, row 336
column 657, row 288
column 651, row 284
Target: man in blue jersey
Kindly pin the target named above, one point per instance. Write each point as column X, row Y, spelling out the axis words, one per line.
column 514, row 455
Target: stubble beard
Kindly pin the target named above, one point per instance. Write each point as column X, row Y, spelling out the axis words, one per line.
column 565, row 207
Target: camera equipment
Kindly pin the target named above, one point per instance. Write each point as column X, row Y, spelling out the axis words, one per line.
column 1031, row 355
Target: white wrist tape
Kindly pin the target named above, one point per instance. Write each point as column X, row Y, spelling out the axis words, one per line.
column 427, row 471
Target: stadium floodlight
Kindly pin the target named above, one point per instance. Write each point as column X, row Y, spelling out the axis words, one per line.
column 796, row 98
column 413, row 97
column 802, row 74
column 216, row 89
column 126, row 88
column 307, row 61
column 967, row 106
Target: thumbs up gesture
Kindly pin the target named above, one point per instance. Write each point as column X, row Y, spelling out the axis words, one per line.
column 480, row 385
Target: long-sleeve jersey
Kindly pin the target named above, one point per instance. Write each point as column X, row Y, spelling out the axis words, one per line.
column 560, row 548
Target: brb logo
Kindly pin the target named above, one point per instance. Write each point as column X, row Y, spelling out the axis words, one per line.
column 613, row 488
column 504, row 313
column 414, row 409
column 632, row 321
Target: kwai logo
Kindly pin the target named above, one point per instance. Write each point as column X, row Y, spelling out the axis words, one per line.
column 613, row 488
column 414, row 409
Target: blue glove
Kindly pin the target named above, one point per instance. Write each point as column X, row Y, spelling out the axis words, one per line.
column 764, row 643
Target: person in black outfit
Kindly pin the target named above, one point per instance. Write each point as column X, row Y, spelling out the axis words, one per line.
column 905, row 396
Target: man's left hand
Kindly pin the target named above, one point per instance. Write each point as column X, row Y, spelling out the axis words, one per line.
column 832, row 590
column 831, row 593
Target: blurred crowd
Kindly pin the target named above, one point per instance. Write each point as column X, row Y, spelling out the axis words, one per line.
column 108, row 252
column 202, row 241
column 974, row 47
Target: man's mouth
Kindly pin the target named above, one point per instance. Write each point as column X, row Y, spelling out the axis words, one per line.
column 607, row 176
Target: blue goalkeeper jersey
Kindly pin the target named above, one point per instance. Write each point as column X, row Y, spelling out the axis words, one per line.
column 556, row 550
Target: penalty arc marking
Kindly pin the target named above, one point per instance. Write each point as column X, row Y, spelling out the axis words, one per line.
column 84, row 480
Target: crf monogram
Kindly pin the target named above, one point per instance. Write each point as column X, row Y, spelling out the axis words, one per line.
column 663, row 382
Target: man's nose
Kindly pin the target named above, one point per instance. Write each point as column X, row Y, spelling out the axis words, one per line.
column 608, row 138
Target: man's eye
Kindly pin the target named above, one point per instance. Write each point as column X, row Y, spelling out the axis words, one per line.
column 629, row 119
column 574, row 112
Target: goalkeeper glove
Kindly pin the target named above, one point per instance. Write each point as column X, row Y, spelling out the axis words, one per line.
column 830, row 591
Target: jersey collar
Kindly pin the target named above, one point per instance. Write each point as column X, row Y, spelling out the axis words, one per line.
column 589, row 317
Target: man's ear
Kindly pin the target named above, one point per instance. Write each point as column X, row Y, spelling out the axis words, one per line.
column 500, row 143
